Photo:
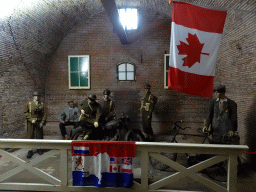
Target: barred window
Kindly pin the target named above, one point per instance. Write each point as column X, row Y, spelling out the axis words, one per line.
column 128, row 18
column 126, row 72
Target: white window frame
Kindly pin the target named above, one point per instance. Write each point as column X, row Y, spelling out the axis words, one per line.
column 69, row 72
column 166, row 65
column 134, row 78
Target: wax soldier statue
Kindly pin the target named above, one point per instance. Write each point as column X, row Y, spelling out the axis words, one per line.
column 69, row 116
column 36, row 114
column 222, row 116
column 108, row 108
column 147, row 107
column 90, row 113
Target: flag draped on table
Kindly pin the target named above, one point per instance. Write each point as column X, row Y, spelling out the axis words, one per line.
column 195, row 41
column 102, row 164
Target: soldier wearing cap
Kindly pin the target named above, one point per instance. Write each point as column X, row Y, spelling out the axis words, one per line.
column 69, row 116
column 108, row 108
column 90, row 112
column 222, row 116
column 147, row 107
column 36, row 114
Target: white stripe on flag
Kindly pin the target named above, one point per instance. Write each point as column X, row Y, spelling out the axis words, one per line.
column 211, row 46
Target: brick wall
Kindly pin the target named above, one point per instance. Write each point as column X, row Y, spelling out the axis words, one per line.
column 236, row 69
column 34, row 55
column 148, row 45
column 29, row 34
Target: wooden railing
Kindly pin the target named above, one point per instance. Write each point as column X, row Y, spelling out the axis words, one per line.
column 63, row 182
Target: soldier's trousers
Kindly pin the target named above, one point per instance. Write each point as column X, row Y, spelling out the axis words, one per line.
column 32, row 128
column 146, row 123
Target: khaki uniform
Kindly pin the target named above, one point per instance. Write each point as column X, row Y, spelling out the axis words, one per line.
column 92, row 112
column 107, row 111
column 37, row 112
column 147, row 107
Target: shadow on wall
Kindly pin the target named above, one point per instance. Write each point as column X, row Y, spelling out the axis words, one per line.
column 166, row 113
column 251, row 133
column 127, row 102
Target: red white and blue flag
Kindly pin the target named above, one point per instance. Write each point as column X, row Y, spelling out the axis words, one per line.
column 102, row 164
column 195, row 40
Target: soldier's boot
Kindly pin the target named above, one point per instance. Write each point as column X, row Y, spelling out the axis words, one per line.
column 30, row 154
column 151, row 138
column 40, row 151
column 146, row 136
column 86, row 137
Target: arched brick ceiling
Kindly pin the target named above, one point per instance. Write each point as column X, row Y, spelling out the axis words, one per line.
column 42, row 24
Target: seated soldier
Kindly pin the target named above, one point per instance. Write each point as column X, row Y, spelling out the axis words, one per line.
column 90, row 113
column 108, row 114
column 69, row 116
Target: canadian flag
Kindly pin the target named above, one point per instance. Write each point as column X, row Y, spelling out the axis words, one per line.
column 195, row 41
column 114, row 168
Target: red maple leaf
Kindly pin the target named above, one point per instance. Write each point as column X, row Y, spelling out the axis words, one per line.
column 192, row 50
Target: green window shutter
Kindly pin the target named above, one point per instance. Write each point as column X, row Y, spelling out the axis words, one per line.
column 79, row 72
column 74, row 78
column 74, row 64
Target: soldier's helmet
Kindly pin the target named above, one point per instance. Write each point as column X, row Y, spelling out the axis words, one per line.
column 147, row 86
column 36, row 93
column 92, row 97
column 220, row 89
column 106, row 92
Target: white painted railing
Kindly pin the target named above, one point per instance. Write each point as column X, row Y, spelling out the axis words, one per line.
column 144, row 149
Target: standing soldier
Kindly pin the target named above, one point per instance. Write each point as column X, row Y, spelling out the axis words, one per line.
column 36, row 115
column 90, row 113
column 147, row 107
column 108, row 108
column 222, row 116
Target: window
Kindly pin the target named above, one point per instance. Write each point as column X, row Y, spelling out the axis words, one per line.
column 128, row 18
column 79, row 72
column 125, row 72
column 166, row 69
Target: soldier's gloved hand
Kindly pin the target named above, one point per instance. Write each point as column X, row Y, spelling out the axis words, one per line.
column 33, row 121
column 41, row 125
column 148, row 117
column 96, row 124
column 230, row 133
column 205, row 129
column 82, row 111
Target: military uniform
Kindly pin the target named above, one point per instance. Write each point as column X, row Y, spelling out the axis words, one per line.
column 107, row 111
column 222, row 115
column 69, row 116
column 147, row 107
column 35, row 111
column 92, row 112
